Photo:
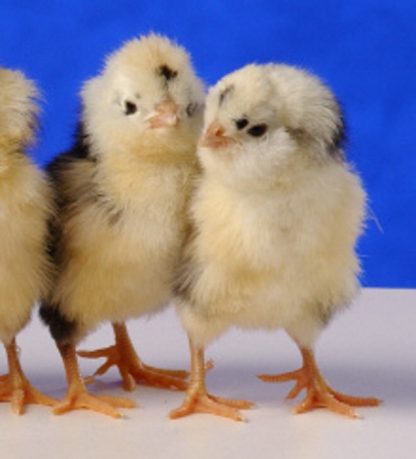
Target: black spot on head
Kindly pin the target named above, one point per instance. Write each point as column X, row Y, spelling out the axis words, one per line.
column 257, row 130
column 129, row 108
column 241, row 123
column 167, row 72
column 225, row 93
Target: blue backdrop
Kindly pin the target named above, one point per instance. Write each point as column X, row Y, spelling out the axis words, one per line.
column 364, row 49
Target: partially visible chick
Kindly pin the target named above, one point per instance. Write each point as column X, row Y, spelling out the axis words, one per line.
column 122, row 192
column 25, row 208
column 276, row 216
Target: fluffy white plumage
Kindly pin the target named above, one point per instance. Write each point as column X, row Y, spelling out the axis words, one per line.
column 276, row 214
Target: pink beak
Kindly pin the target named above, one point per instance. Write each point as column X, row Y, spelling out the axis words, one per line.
column 214, row 136
column 166, row 115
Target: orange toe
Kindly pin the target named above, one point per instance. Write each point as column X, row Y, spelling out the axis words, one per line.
column 205, row 403
column 133, row 371
column 19, row 393
column 319, row 394
column 100, row 403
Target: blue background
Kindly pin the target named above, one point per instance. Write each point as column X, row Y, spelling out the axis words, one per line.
column 365, row 50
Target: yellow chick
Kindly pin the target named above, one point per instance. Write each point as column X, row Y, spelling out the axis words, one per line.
column 122, row 193
column 276, row 216
column 25, row 208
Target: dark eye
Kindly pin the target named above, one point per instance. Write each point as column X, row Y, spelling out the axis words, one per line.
column 129, row 108
column 258, row 130
column 241, row 123
column 190, row 109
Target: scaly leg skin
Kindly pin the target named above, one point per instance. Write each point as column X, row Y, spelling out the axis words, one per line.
column 197, row 399
column 318, row 392
column 15, row 388
column 131, row 368
column 77, row 396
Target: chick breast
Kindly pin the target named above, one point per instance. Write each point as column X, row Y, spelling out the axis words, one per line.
column 119, row 239
column 284, row 258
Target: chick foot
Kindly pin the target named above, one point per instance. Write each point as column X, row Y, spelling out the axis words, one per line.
column 197, row 399
column 77, row 396
column 318, row 392
column 132, row 370
column 16, row 389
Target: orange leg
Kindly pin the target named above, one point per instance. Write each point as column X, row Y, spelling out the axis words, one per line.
column 131, row 368
column 318, row 392
column 15, row 388
column 197, row 399
column 77, row 396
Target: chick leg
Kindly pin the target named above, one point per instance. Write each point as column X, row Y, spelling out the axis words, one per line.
column 131, row 368
column 77, row 396
column 15, row 388
column 318, row 392
column 197, row 399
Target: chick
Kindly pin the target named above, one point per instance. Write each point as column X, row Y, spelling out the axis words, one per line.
column 25, row 208
column 275, row 220
column 123, row 190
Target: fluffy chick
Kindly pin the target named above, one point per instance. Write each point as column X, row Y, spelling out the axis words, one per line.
column 276, row 216
column 123, row 190
column 25, row 208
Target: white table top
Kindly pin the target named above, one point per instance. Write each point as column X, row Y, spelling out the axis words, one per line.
column 370, row 349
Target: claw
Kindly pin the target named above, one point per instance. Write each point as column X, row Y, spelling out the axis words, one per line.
column 197, row 399
column 77, row 396
column 132, row 370
column 16, row 389
column 205, row 403
column 318, row 392
column 103, row 404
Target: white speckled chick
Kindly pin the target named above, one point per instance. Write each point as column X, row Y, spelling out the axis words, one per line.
column 275, row 220
column 25, row 208
column 123, row 191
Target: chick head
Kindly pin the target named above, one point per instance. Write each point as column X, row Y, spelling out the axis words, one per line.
column 264, row 117
column 18, row 110
column 147, row 91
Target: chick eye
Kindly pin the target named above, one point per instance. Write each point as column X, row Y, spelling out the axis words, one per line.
column 130, row 108
column 258, row 130
column 241, row 123
column 190, row 109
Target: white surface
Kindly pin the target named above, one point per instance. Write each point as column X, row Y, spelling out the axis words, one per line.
column 370, row 349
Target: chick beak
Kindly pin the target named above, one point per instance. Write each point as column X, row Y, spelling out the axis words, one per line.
column 214, row 136
column 166, row 115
